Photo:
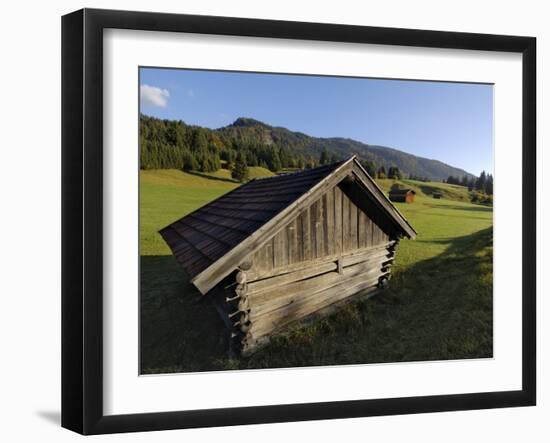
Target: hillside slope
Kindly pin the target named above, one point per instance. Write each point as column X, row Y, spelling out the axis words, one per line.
column 427, row 189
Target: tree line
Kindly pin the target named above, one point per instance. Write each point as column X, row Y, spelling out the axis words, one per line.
column 393, row 172
column 483, row 183
column 168, row 144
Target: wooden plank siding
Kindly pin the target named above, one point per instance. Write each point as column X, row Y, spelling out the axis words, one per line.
column 345, row 223
column 280, row 300
column 331, row 226
column 280, row 250
column 362, row 229
column 305, row 241
column 337, row 220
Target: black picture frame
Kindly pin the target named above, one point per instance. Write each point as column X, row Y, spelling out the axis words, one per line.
column 82, row 218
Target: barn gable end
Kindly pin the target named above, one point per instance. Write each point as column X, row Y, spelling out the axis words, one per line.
column 332, row 226
column 289, row 247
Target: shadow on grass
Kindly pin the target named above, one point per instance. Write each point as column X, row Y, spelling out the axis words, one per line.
column 474, row 208
column 437, row 309
column 209, row 177
column 429, row 189
column 180, row 331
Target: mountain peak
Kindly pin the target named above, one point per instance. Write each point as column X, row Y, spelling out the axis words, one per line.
column 247, row 122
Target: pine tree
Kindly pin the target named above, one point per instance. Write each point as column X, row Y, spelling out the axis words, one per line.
column 240, row 169
column 489, row 185
column 200, row 141
column 251, row 159
column 394, row 173
column 190, row 162
column 275, row 162
column 382, row 172
column 480, row 182
column 452, row 180
column 370, row 167
column 323, row 159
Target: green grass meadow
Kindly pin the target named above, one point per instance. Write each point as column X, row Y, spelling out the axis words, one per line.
column 438, row 305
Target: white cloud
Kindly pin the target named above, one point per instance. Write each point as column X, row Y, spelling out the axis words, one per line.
column 153, row 96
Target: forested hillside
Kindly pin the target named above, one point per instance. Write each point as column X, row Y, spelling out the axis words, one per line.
column 174, row 144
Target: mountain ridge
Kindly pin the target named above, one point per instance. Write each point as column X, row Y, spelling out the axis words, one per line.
column 246, row 128
column 168, row 143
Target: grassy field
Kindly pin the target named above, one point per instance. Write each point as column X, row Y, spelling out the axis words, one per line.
column 438, row 306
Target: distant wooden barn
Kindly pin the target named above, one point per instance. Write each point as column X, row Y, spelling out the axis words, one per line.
column 280, row 249
column 402, row 195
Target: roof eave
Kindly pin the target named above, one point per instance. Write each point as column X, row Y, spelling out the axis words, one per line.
column 400, row 219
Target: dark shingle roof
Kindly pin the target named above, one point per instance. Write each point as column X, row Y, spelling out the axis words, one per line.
column 204, row 236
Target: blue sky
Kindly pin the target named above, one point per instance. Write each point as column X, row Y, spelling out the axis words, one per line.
column 450, row 122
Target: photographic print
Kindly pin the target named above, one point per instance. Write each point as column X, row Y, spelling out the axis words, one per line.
column 301, row 220
column 266, row 203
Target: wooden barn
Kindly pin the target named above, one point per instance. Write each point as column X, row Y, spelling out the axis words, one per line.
column 285, row 248
column 402, row 195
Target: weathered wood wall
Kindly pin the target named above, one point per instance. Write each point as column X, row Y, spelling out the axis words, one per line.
column 264, row 306
column 332, row 226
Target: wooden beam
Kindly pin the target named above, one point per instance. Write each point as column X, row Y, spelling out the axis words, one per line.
column 280, row 318
column 348, row 259
column 382, row 259
column 301, row 291
column 250, row 343
column 300, row 274
column 383, row 202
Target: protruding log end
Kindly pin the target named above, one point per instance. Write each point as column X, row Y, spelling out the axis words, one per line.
column 230, row 299
column 245, row 266
column 240, row 317
column 241, row 289
column 244, row 304
column 247, row 343
column 241, row 277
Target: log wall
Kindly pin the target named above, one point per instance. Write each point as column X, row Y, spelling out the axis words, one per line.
column 263, row 306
